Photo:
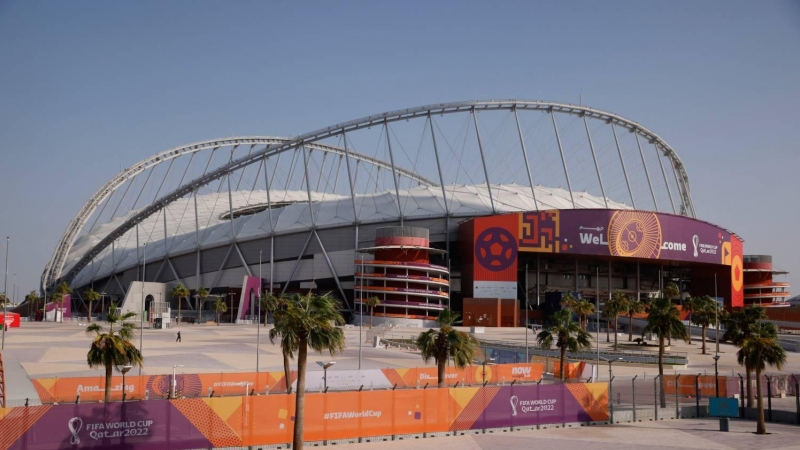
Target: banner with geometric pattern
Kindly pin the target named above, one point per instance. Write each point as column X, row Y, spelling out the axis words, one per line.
column 268, row 419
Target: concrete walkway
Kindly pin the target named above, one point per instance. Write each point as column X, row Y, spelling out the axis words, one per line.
column 18, row 385
column 672, row 434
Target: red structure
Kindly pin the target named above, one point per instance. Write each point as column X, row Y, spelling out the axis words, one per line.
column 760, row 288
column 401, row 276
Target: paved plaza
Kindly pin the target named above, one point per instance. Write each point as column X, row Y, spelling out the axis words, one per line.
column 669, row 434
column 42, row 350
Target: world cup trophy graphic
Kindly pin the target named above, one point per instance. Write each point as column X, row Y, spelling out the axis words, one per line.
column 514, row 402
column 74, row 426
column 695, row 243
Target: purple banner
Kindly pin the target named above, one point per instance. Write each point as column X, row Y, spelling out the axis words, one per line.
column 625, row 233
column 531, row 405
column 129, row 426
column 251, row 287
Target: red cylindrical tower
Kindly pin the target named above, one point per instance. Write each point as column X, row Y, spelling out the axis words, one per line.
column 401, row 276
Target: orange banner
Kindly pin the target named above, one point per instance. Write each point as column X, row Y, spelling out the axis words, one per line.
column 574, row 370
column 476, row 374
column 688, row 384
column 58, row 390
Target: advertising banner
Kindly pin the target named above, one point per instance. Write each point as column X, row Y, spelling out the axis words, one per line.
column 269, row 419
column 495, row 257
column 92, row 389
column 625, row 233
column 687, row 387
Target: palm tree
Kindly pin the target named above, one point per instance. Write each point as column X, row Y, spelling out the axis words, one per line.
column 113, row 347
column 446, row 343
column 59, row 293
column 704, row 312
column 634, row 307
column 372, row 302
column 288, row 339
column 738, row 326
column 308, row 321
column 671, row 292
column 90, row 295
column 202, row 294
column 32, row 299
column 269, row 303
column 689, row 305
column 759, row 350
column 179, row 292
column 583, row 309
column 568, row 301
column 220, row 307
column 663, row 319
column 568, row 336
column 614, row 307
column 4, row 300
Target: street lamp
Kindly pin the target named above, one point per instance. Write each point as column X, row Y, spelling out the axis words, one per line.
column 141, row 312
column 716, row 373
column 5, row 293
column 123, row 370
column 172, row 387
column 258, row 316
column 325, row 367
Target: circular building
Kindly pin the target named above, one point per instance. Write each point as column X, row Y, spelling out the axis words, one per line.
column 394, row 206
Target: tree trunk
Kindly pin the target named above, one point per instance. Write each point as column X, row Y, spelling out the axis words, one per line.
column 440, row 371
column 300, row 398
column 89, row 311
column 608, row 332
column 630, row 327
column 179, row 312
column 690, row 330
column 217, row 318
column 108, row 382
column 371, row 310
column 199, row 309
column 563, row 364
column 749, row 381
column 761, row 427
column 616, row 321
column 662, row 394
column 703, row 337
column 287, row 373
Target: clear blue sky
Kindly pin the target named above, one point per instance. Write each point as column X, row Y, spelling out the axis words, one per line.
column 88, row 87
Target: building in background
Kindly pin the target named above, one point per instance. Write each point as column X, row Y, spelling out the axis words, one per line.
column 760, row 285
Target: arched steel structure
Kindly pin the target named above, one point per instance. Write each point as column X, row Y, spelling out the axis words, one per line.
column 314, row 140
column 56, row 263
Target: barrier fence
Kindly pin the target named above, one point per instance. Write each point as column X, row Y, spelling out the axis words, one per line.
column 688, row 396
column 147, row 387
column 266, row 420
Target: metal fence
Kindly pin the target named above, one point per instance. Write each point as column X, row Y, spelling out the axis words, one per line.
column 637, row 399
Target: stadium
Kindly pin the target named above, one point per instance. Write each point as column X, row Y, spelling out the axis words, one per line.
column 495, row 208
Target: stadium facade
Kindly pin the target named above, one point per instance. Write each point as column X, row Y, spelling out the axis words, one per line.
column 511, row 200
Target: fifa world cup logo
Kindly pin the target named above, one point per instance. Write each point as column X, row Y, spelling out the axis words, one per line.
column 695, row 243
column 74, row 426
column 514, row 402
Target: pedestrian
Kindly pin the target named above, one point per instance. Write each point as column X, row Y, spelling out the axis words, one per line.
column 179, row 337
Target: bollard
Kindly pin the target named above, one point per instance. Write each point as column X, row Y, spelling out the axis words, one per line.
column 769, row 398
column 78, row 399
column 677, row 407
column 633, row 396
column 26, row 402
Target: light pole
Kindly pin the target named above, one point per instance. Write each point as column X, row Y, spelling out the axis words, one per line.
column 141, row 312
column 325, row 367
column 716, row 373
column 597, row 321
column 102, row 304
column 716, row 316
column 5, row 293
column 123, row 370
column 258, row 316
column 525, row 322
column 172, row 385
column 361, row 313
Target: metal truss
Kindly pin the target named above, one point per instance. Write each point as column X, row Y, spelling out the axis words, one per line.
column 56, row 263
column 277, row 146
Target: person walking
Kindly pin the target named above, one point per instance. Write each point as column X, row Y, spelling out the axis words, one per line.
column 179, row 337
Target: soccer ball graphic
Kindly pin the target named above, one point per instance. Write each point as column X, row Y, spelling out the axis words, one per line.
column 496, row 249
